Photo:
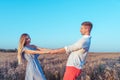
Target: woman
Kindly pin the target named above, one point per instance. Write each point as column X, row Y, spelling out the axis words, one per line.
column 30, row 53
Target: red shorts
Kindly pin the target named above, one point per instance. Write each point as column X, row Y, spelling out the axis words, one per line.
column 71, row 73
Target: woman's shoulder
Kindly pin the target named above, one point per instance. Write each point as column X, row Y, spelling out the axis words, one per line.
column 30, row 47
column 33, row 46
column 25, row 48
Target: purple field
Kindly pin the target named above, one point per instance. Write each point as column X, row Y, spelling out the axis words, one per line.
column 99, row 66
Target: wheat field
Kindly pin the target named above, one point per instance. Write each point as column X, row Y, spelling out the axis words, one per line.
column 99, row 66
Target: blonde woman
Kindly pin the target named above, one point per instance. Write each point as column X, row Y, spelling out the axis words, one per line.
column 30, row 53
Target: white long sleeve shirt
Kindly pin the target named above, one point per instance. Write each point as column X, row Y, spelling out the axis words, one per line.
column 78, row 52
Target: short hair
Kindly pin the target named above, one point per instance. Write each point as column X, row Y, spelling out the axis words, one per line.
column 87, row 23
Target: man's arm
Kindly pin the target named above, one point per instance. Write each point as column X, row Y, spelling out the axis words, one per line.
column 79, row 45
column 58, row 51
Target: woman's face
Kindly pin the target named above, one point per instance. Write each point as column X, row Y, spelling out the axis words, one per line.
column 27, row 40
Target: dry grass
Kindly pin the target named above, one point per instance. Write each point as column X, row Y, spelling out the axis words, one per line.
column 102, row 66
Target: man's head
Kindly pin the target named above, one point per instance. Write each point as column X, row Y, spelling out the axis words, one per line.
column 86, row 28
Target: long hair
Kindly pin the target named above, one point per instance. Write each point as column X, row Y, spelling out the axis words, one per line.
column 20, row 47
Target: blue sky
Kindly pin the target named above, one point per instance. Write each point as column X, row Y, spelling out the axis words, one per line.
column 56, row 23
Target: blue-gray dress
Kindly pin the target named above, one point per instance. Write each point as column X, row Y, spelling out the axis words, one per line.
column 33, row 70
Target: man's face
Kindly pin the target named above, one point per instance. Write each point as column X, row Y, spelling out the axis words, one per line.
column 83, row 30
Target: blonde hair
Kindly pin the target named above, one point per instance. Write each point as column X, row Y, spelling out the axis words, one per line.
column 20, row 47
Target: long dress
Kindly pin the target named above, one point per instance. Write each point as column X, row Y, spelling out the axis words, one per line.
column 33, row 69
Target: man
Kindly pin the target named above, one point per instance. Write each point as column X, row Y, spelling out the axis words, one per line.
column 77, row 53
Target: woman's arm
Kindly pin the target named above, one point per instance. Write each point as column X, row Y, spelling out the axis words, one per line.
column 43, row 49
column 40, row 49
column 36, row 52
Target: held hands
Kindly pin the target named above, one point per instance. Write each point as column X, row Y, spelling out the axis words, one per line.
column 47, row 51
column 53, row 51
column 50, row 51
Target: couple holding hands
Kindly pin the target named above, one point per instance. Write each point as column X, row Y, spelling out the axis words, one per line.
column 77, row 55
